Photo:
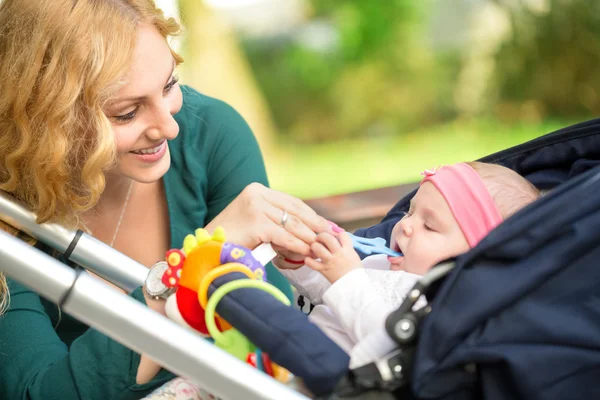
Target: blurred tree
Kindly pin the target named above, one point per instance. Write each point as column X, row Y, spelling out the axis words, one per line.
column 358, row 68
column 367, row 28
column 362, row 68
column 548, row 66
column 485, row 27
column 216, row 65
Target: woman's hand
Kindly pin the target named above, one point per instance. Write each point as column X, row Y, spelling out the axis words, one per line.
column 257, row 216
column 287, row 259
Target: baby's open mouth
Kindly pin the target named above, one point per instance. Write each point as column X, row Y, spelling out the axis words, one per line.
column 396, row 262
column 396, row 247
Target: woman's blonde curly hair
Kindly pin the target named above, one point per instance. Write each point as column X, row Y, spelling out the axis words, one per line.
column 61, row 61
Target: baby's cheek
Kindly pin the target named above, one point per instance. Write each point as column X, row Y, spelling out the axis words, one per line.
column 453, row 248
column 431, row 256
column 443, row 252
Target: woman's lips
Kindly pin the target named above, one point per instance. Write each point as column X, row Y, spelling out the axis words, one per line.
column 152, row 154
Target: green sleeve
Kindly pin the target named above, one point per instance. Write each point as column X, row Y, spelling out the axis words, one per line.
column 235, row 160
column 35, row 364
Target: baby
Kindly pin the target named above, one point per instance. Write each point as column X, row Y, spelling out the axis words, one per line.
column 455, row 207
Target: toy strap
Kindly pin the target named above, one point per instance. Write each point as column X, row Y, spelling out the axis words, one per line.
column 229, row 287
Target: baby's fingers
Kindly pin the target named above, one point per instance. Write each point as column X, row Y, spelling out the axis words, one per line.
column 330, row 241
column 313, row 264
column 345, row 240
column 320, row 251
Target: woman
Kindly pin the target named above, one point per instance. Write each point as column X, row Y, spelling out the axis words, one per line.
column 97, row 134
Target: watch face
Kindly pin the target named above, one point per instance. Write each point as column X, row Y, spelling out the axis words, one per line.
column 154, row 284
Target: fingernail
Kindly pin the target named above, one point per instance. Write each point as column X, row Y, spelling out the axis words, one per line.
column 335, row 228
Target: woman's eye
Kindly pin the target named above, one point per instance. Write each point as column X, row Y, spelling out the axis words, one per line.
column 126, row 117
column 171, row 84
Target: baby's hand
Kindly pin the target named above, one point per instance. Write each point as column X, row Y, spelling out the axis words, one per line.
column 336, row 253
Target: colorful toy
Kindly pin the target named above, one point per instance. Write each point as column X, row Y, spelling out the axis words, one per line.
column 233, row 341
column 190, row 272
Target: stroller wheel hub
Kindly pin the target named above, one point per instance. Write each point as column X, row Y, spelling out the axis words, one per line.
column 405, row 329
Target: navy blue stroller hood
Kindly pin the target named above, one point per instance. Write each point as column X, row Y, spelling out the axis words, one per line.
column 519, row 315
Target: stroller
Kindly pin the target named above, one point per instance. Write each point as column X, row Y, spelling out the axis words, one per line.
column 516, row 317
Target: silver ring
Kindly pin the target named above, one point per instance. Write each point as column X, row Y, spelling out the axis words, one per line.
column 284, row 218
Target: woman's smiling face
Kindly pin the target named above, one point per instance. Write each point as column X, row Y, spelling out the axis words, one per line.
column 142, row 110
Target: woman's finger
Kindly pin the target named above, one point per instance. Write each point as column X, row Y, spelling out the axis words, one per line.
column 278, row 236
column 294, row 225
column 291, row 224
column 287, row 254
column 297, row 208
column 329, row 241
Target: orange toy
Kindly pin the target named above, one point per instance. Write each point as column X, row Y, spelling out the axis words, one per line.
column 202, row 259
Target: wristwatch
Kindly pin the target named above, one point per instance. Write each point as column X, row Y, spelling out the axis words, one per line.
column 153, row 284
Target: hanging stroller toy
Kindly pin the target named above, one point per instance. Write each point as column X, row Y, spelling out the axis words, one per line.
column 187, row 275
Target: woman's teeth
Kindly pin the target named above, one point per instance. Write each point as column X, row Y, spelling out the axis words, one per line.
column 148, row 151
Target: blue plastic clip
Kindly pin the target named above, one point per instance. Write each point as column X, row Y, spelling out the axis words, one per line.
column 372, row 245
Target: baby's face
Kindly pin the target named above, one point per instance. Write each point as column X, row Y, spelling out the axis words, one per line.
column 428, row 234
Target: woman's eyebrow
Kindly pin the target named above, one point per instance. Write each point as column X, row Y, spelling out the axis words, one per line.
column 140, row 98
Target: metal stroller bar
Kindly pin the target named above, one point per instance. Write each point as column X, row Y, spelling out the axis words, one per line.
column 80, row 247
column 131, row 323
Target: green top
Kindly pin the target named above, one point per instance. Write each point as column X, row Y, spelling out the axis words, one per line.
column 47, row 356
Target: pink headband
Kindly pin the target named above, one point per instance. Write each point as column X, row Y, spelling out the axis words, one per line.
column 468, row 198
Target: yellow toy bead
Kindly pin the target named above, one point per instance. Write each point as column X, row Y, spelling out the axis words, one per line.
column 202, row 236
column 189, row 244
column 219, row 234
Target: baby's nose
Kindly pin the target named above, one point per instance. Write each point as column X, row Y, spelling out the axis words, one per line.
column 406, row 228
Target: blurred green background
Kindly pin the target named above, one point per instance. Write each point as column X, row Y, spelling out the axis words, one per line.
column 348, row 95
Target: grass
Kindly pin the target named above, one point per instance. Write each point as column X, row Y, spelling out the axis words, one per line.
column 309, row 171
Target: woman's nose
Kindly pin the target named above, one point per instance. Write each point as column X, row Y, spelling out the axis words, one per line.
column 164, row 126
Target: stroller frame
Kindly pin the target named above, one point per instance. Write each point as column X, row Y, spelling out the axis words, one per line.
column 118, row 316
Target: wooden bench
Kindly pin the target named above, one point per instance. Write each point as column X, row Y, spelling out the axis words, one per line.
column 360, row 209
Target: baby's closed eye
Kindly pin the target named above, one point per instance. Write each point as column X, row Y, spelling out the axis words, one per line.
column 430, row 228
